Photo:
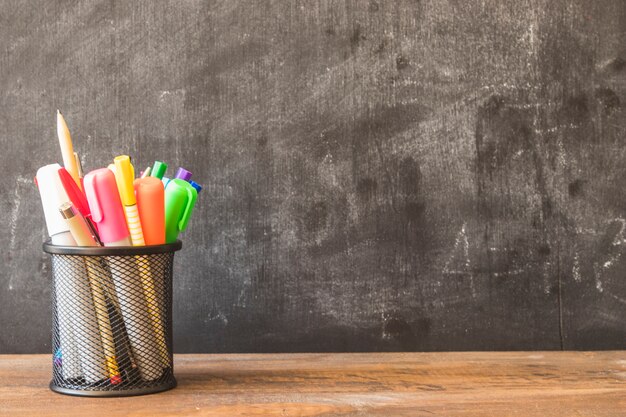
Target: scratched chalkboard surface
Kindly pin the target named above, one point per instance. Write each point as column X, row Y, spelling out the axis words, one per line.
column 378, row 175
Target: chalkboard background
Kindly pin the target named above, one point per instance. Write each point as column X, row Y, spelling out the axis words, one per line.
column 378, row 175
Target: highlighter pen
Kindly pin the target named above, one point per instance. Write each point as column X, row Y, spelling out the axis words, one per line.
column 150, row 195
column 106, row 207
column 195, row 185
column 151, row 205
column 67, row 149
column 146, row 173
column 183, row 174
column 107, row 212
column 82, row 233
column 124, row 176
column 180, row 198
column 158, row 169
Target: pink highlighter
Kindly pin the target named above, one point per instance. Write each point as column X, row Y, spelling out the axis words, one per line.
column 106, row 207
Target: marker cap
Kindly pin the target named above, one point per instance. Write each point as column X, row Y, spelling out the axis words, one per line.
column 150, row 194
column 158, row 169
column 183, row 174
column 180, row 198
column 124, row 176
column 106, row 206
column 195, row 185
column 52, row 196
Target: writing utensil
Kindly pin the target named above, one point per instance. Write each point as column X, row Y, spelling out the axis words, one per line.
column 145, row 173
column 82, row 233
column 158, row 169
column 106, row 210
column 151, row 205
column 180, row 198
column 183, row 174
column 150, row 195
column 52, row 194
column 77, row 197
column 76, row 320
column 67, row 150
column 106, row 207
column 124, row 176
column 79, row 227
column 165, row 181
column 195, row 185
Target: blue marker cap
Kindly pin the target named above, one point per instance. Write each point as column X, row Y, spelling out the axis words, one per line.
column 165, row 181
column 195, row 185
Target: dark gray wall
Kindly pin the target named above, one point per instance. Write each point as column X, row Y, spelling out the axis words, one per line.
column 382, row 175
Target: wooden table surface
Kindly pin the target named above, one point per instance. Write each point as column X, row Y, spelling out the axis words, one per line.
column 379, row 384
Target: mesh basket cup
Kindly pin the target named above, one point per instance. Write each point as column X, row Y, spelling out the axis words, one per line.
column 112, row 319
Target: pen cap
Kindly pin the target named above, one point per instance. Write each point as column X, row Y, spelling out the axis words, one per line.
column 105, row 204
column 195, row 185
column 150, row 195
column 158, row 169
column 75, row 195
column 52, row 196
column 180, row 198
column 124, row 176
column 183, row 174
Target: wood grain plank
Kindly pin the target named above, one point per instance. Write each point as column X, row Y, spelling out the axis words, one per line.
column 402, row 384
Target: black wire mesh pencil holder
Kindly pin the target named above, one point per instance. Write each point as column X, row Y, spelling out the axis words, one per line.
column 112, row 319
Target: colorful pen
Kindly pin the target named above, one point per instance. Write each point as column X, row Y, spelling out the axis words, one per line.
column 106, row 210
column 77, row 197
column 180, row 198
column 150, row 205
column 150, row 195
column 158, row 169
column 82, row 233
column 195, row 185
column 124, row 176
column 183, row 174
column 106, row 207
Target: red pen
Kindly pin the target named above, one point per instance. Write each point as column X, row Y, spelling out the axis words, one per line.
column 77, row 197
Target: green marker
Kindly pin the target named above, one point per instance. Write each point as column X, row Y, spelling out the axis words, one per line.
column 158, row 169
column 180, row 198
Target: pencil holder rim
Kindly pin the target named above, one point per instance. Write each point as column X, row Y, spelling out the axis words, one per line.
column 48, row 247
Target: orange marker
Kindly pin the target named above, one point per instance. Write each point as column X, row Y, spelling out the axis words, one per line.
column 150, row 196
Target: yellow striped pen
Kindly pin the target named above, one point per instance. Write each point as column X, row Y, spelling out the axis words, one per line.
column 124, row 176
